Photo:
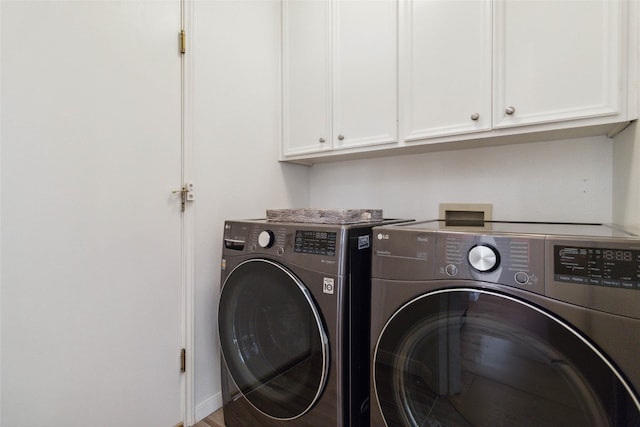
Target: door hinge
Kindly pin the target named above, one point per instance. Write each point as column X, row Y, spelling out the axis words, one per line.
column 183, row 360
column 187, row 194
column 183, row 42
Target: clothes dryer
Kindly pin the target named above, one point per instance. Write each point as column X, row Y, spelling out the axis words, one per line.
column 510, row 324
column 293, row 324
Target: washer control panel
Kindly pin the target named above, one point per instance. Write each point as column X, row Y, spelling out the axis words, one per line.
column 315, row 242
column 317, row 247
column 514, row 261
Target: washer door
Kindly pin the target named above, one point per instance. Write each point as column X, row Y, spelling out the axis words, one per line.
column 471, row 357
column 272, row 338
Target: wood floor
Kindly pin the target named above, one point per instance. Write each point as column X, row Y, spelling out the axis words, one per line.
column 214, row 420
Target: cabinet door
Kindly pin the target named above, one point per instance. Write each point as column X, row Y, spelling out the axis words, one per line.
column 556, row 60
column 306, row 76
column 445, row 66
column 365, row 73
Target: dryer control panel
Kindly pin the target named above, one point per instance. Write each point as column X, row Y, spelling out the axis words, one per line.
column 588, row 265
column 603, row 274
column 507, row 260
column 401, row 253
column 591, row 265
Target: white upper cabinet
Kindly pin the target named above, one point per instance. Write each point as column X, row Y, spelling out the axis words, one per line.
column 339, row 74
column 306, row 76
column 557, row 60
column 445, row 68
column 365, row 72
column 467, row 73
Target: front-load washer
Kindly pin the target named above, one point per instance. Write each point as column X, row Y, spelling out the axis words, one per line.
column 293, row 324
column 510, row 324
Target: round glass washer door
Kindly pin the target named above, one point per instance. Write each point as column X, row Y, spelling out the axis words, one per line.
column 471, row 357
column 273, row 340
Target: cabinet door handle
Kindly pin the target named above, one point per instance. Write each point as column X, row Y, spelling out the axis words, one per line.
column 341, row 137
column 322, row 141
column 475, row 116
column 510, row 111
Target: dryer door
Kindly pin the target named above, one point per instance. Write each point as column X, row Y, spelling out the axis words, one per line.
column 272, row 338
column 472, row 357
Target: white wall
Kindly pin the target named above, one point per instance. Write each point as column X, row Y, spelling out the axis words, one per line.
column 568, row 180
column 626, row 178
column 236, row 77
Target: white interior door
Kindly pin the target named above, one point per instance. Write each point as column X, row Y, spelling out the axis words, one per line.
column 91, row 272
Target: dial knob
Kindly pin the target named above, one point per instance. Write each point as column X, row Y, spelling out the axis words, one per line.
column 265, row 239
column 483, row 258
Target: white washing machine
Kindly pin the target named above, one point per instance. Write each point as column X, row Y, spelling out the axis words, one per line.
column 510, row 324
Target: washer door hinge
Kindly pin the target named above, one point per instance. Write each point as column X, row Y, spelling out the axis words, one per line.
column 183, row 360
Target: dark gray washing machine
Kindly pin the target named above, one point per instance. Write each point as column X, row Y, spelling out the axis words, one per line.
column 510, row 324
column 293, row 324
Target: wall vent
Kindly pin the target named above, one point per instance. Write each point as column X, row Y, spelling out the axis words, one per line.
column 465, row 214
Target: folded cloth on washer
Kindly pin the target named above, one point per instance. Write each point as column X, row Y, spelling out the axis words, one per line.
column 324, row 216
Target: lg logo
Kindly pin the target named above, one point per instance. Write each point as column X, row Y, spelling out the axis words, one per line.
column 383, row 236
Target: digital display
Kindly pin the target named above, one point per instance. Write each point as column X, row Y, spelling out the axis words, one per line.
column 315, row 242
column 597, row 266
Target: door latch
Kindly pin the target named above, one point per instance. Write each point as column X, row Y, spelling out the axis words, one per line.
column 186, row 194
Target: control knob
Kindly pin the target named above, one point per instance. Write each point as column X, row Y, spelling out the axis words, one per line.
column 266, row 238
column 483, row 258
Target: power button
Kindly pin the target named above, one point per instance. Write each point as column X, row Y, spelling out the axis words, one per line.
column 451, row 270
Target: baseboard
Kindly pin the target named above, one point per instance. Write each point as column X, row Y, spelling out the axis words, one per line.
column 210, row 405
